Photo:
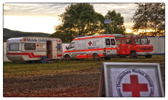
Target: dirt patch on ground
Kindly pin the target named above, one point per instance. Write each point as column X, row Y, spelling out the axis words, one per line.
column 55, row 85
column 69, row 85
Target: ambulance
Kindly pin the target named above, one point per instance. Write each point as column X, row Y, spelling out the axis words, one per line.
column 96, row 47
column 133, row 46
column 33, row 48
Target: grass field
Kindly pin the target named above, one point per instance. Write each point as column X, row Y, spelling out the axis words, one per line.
column 21, row 69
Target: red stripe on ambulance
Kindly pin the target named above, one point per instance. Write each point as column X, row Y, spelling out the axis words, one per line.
column 59, row 55
column 27, row 54
column 14, row 53
column 84, row 56
column 89, row 50
column 35, row 56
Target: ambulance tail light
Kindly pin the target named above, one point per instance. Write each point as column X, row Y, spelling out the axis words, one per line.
column 104, row 49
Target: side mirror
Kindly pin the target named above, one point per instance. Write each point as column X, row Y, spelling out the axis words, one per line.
column 67, row 48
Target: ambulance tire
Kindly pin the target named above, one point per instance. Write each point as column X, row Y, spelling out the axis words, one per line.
column 133, row 54
column 67, row 58
column 148, row 56
column 96, row 57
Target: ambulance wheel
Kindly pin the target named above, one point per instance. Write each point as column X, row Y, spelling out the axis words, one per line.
column 96, row 57
column 133, row 54
column 67, row 58
column 148, row 56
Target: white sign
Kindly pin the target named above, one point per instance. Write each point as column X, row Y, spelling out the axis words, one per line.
column 131, row 80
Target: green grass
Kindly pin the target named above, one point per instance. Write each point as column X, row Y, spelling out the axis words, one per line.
column 21, row 69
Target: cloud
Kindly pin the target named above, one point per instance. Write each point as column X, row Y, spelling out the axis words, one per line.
column 55, row 9
column 127, row 10
column 34, row 9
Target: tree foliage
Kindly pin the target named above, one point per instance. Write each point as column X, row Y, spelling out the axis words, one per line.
column 157, row 17
column 78, row 18
column 81, row 19
column 149, row 15
column 116, row 26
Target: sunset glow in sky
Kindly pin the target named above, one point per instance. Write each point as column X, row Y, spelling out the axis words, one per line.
column 43, row 17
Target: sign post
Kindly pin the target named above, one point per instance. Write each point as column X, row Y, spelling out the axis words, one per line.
column 107, row 21
column 131, row 80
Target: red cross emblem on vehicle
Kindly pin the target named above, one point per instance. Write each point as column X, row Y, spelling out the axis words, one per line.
column 135, row 87
column 37, row 45
column 59, row 40
column 90, row 43
column 25, row 39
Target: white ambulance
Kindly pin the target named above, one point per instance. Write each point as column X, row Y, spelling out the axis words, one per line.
column 96, row 47
column 33, row 48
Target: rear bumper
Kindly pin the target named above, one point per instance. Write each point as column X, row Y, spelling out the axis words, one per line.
column 144, row 53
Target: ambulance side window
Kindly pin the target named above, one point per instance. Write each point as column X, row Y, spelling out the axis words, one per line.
column 123, row 41
column 72, row 45
column 30, row 46
column 107, row 41
column 58, row 46
column 112, row 41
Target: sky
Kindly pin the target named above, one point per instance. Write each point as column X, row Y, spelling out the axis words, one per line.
column 43, row 17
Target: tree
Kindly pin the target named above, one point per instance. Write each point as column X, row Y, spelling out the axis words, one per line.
column 79, row 19
column 157, row 17
column 149, row 15
column 116, row 26
column 141, row 17
column 64, row 35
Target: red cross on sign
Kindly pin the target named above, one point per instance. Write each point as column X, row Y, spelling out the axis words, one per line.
column 90, row 43
column 134, row 87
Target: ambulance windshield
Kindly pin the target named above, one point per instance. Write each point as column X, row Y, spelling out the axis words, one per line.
column 140, row 40
column 14, row 47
